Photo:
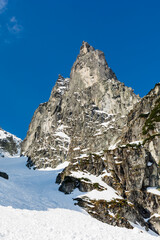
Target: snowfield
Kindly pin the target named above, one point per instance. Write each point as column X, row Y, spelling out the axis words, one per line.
column 32, row 208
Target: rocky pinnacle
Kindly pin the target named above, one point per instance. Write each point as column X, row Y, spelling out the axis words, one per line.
column 90, row 105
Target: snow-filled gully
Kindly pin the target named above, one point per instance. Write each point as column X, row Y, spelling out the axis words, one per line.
column 32, row 208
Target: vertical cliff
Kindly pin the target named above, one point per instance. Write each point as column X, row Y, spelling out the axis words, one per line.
column 85, row 112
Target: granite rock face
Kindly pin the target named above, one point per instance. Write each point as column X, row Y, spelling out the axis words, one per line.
column 109, row 136
column 85, row 113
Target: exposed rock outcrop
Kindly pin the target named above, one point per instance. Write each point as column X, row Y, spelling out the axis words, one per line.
column 9, row 144
column 110, row 137
column 4, row 175
column 84, row 113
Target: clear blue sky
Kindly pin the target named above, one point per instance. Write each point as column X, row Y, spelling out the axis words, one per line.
column 41, row 39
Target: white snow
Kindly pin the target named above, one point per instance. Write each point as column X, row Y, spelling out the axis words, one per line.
column 61, row 225
column 99, row 111
column 112, row 147
column 107, row 194
column 149, row 164
column 84, row 155
column 98, row 132
column 118, row 162
column 59, row 167
column 105, row 124
column 61, row 127
column 62, row 165
column 136, row 142
column 110, row 213
column 153, row 190
column 84, row 150
column 155, row 215
column 77, row 148
column 32, row 208
column 62, row 85
column 4, row 134
column 62, row 135
column 98, row 153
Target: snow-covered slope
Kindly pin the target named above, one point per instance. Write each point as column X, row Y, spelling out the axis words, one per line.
column 9, row 144
column 32, row 208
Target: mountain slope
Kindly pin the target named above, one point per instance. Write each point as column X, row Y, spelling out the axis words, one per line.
column 32, row 208
column 9, row 144
column 131, row 167
column 109, row 136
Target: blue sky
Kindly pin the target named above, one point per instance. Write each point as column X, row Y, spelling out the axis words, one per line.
column 41, row 39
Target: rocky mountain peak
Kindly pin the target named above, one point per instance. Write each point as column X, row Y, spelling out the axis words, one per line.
column 85, row 48
column 90, row 67
column 109, row 136
column 60, row 77
column 79, row 109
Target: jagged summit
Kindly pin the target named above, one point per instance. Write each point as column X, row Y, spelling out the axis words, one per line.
column 78, row 110
column 60, row 77
column 91, row 66
column 85, row 48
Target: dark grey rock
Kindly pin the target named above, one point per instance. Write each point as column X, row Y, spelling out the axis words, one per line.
column 4, row 175
column 69, row 184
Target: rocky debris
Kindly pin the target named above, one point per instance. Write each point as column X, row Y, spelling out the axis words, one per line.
column 130, row 208
column 9, row 144
column 91, row 164
column 4, row 175
column 70, row 183
column 116, row 212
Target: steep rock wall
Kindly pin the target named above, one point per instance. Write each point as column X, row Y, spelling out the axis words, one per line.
column 85, row 113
